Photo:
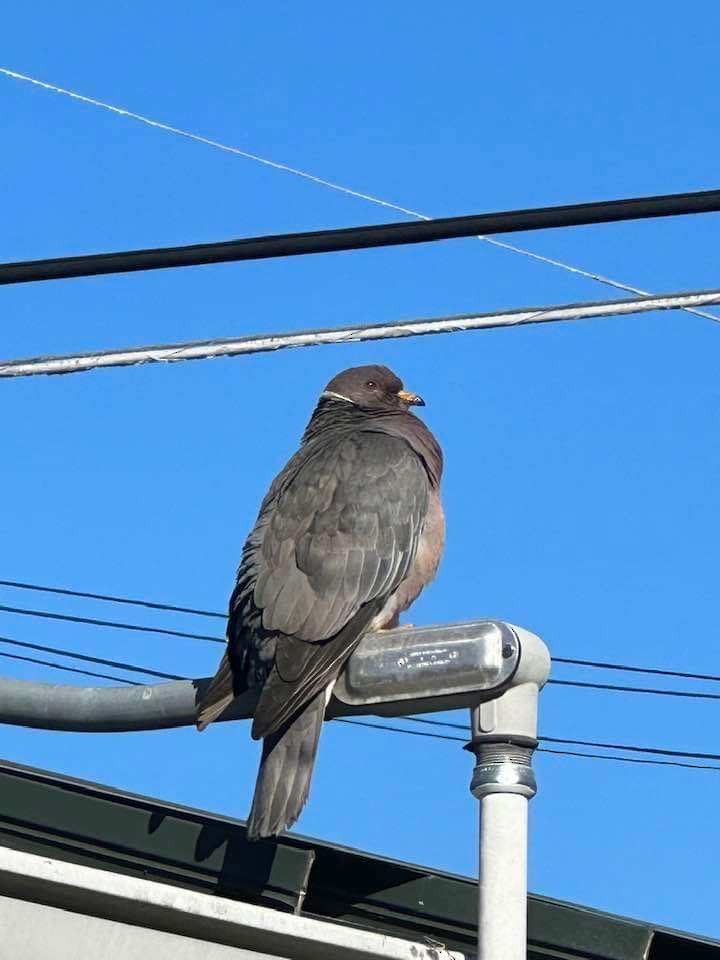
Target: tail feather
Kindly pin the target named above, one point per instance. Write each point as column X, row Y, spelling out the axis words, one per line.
column 286, row 766
column 218, row 696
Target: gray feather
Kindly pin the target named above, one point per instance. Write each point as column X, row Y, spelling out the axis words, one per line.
column 283, row 780
column 336, row 538
column 218, row 696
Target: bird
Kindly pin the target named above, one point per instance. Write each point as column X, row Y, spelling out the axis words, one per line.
column 350, row 532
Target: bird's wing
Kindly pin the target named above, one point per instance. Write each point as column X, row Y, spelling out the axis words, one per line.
column 341, row 537
column 342, row 532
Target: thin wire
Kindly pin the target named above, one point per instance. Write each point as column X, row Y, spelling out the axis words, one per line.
column 108, row 623
column 263, row 343
column 152, row 604
column 564, row 753
column 426, row 721
column 611, row 756
column 622, row 689
column 391, row 729
column 597, row 664
column 133, row 668
column 198, row 138
column 589, row 275
column 370, row 198
column 59, row 666
column 603, row 665
column 200, row 636
column 379, row 726
column 631, row 748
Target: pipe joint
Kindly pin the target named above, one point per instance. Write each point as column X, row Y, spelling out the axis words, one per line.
column 503, row 767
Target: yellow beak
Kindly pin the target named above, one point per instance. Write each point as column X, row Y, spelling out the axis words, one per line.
column 412, row 399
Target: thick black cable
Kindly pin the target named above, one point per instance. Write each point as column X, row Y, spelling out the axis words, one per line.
column 152, row 604
column 108, row 623
column 364, row 237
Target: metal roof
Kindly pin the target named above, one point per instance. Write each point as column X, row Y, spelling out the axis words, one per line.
column 93, row 825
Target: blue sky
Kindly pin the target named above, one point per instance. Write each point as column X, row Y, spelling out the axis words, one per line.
column 582, row 459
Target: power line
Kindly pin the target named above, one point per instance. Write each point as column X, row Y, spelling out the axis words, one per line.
column 152, row 604
column 131, row 667
column 120, row 664
column 390, row 728
column 611, row 756
column 631, row 748
column 659, row 671
column 340, row 188
column 587, row 274
column 575, row 661
column 366, row 237
column 193, row 636
column 108, row 623
column 623, row 689
column 77, row 670
column 208, row 142
column 262, row 343
column 565, row 753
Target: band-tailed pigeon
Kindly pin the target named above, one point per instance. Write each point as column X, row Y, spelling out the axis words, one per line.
column 348, row 535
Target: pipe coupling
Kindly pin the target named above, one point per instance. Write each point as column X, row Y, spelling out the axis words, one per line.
column 503, row 768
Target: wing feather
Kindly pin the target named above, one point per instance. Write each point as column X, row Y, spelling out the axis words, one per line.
column 340, row 538
column 342, row 533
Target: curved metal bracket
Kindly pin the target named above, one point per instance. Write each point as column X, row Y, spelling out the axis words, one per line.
column 419, row 670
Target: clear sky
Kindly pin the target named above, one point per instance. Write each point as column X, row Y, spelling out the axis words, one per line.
column 582, row 476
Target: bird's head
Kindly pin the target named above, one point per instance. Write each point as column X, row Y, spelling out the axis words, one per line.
column 372, row 388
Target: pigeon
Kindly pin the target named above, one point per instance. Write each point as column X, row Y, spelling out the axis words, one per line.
column 348, row 535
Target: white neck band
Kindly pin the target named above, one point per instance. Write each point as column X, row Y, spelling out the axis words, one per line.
column 330, row 394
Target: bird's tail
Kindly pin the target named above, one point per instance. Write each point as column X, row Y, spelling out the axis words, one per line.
column 286, row 766
column 218, row 696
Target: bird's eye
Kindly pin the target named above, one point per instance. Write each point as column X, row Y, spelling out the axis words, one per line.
column 371, row 384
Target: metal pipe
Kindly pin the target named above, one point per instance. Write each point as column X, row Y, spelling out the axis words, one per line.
column 504, row 736
column 502, row 929
column 419, row 669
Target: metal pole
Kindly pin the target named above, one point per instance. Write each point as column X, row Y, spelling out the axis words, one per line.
column 408, row 670
column 504, row 736
column 502, row 931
